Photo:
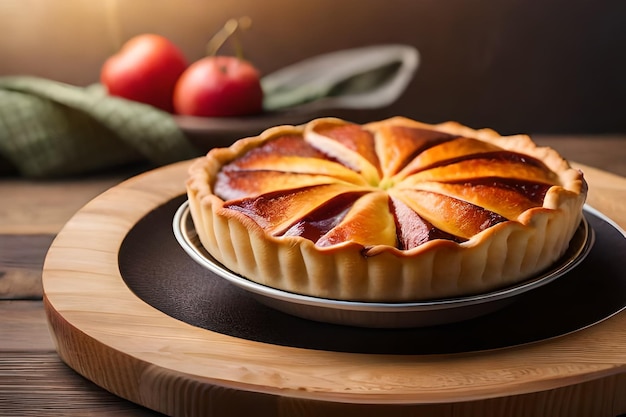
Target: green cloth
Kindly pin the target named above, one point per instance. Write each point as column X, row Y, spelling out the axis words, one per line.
column 51, row 129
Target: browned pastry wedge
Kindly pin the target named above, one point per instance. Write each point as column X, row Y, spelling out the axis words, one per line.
column 388, row 211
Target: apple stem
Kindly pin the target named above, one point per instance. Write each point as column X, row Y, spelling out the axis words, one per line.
column 230, row 29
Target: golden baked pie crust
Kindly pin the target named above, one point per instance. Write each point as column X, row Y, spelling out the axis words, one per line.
column 501, row 255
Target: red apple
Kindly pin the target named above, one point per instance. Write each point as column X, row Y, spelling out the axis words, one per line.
column 219, row 86
column 145, row 70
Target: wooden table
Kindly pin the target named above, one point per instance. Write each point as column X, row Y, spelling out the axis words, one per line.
column 34, row 381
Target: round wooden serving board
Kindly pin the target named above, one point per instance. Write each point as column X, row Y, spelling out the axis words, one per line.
column 105, row 332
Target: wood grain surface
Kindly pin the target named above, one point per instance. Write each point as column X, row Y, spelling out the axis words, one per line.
column 107, row 334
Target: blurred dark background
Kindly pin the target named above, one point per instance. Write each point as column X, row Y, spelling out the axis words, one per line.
column 518, row 66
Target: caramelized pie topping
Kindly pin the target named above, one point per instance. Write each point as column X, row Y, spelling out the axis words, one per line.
column 399, row 186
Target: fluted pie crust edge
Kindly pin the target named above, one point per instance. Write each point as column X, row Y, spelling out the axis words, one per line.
column 499, row 256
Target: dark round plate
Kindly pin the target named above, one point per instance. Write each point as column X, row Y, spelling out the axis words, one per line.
column 160, row 273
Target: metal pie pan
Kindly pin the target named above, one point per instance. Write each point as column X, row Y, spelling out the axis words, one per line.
column 381, row 315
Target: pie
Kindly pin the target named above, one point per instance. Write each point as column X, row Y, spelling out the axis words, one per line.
column 389, row 211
